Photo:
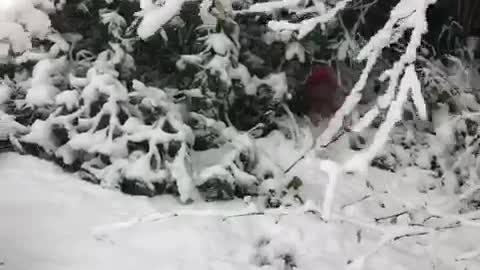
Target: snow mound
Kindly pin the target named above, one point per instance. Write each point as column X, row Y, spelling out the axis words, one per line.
column 86, row 227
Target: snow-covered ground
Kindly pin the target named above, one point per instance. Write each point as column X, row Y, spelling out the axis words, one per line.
column 51, row 220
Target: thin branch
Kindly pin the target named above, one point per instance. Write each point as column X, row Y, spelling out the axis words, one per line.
column 313, row 147
column 409, row 235
column 355, row 202
column 391, row 216
column 244, row 215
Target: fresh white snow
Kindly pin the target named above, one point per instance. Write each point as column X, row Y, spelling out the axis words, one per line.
column 52, row 220
column 154, row 17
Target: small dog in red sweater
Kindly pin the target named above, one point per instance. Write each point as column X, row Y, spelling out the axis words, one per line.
column 323, row 95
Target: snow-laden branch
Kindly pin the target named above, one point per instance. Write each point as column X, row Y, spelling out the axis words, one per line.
column 304, row 27
column 271, row 6
column 334, row 172
column 408, row 14
column 408, row 83
column 249, row 210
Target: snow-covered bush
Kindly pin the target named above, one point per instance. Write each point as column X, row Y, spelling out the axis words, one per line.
column 22, row 21
column 27, row 34
column 87, row 113
column 233, row 93
column 243, row 171
column 212, row 66
column 135, row 140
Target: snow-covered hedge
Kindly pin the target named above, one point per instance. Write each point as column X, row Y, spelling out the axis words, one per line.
column 131, row 137
column 211, row 67
column 85, row 111
column 113, row 134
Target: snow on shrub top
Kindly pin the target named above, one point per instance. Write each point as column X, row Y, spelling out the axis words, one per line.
column 114, row 135
column 154, row 17
column 70, row 99
column 5, row 93
column 22, row 20
column 45, row 75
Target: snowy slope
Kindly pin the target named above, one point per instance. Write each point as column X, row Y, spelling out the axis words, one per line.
column 50, row 220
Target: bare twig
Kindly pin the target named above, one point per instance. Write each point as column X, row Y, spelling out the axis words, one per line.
column 409, row 235
column 391, row 216
column 340, row 134
column 355, row 202
column 244, row 215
